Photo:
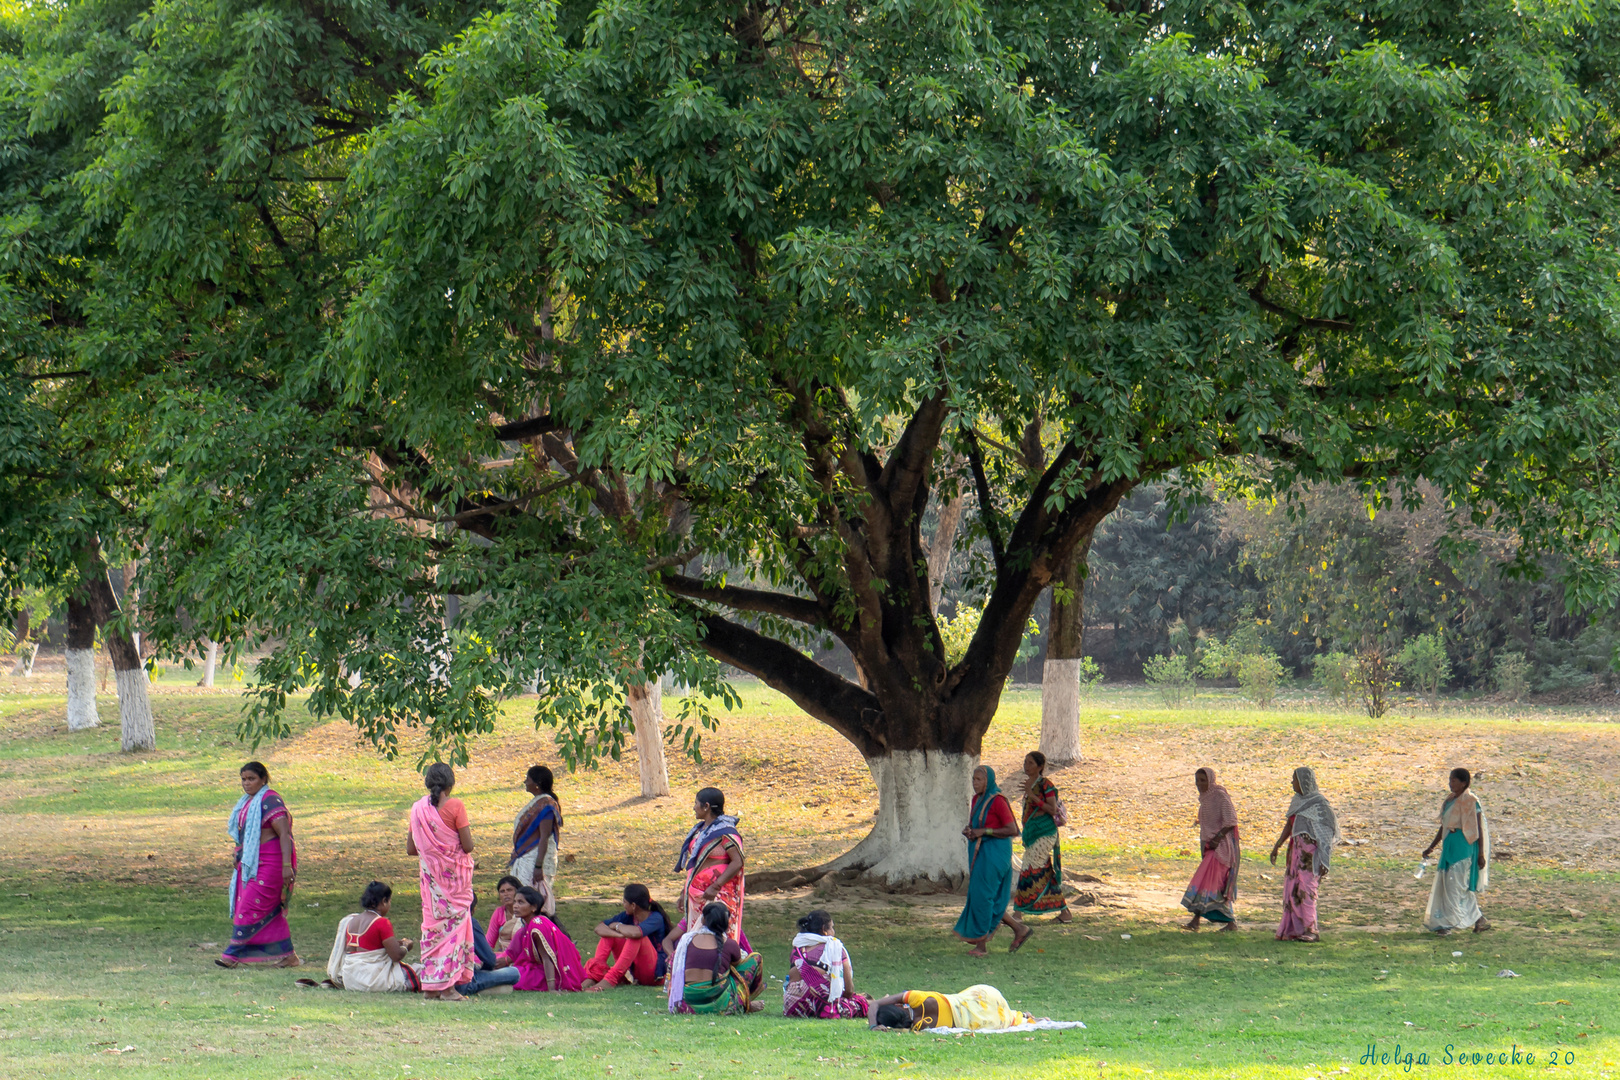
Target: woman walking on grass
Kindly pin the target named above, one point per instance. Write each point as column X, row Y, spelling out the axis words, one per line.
column 1213, row 890
column 1464, row 839
column 1311, row 831
column 989, row 834
column 264, row 875
column 1040, row 880
column 441, row 837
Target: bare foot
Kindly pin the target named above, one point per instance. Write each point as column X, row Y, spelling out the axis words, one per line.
column 444, row 995
column 224, row 963
column 978, row 950
column 290, row 960
column 594, row 988
column 756, row 1006
column 1192, row 924
column 1482, row 925
column 1066, row 916
column 1227, row 928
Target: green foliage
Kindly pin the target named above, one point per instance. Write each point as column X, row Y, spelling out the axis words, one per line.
column 1091, row 675
column 1425, row 662
column 956, row 632
column 1171, row 678
column 1336, row 673
column 1512, row 675
column 1242, row 656
column 1376, row 676
column 571, row 316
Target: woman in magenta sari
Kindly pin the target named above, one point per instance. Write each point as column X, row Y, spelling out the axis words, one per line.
column 441, row 837
column 1213, row 889
column 821, row 979
column 265, row 872
column 544, row 955
column 1311, row 831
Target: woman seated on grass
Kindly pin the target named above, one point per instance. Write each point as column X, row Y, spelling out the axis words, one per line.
column 501, row 922
column 978, row 1008
column 541, row 952
column 629, row 943
column 821, row 980
column 366, row 955
column 709, row 973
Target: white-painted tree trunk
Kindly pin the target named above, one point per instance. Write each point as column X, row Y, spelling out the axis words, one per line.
column 922, row 806
column 647, row 710
column 81, row 689
column 1060, row 711
column 25, row 659
column 210, row 662
column 135, row 710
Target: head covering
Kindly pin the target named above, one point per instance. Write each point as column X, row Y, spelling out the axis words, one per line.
column 981, row 803
column 1313, row 817
column 1215, row 809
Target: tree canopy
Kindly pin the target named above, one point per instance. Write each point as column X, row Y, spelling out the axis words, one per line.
column 552, row 315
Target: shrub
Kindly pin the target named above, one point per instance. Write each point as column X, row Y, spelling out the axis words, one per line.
column 1375, row 673
column 957, row 633
column 1511, row 673
column 1259, row 675
column 1336, row 674
column 1090, row 675
column 1424, row 659
column 1170, row 678
column 1564, row 677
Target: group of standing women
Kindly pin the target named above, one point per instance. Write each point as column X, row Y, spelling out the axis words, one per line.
column 1311, row 829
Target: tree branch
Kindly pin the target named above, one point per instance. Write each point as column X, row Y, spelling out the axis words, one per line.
column 987, row 509
column 784, row 605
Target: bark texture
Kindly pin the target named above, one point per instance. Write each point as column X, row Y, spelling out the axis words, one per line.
column 647, row 709
column 134, row 706
column 81, row 664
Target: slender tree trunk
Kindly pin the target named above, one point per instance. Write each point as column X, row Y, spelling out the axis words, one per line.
column 210, row 662
column 26, row 650
column 134, row 705
column 81, row 664
column 1060, row 678
column 940, row 549
column 647, row 709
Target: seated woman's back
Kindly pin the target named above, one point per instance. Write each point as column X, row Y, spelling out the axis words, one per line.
column 708, row 955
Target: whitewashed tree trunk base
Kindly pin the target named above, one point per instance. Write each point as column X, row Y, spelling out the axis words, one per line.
column 135, row 711
column 81, row 689
column 25, row 659
column 647, row 710
column 210, row 662
column 1060, row 711
column 922, row 807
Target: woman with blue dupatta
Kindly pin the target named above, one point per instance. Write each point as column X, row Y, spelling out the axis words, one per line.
column 1464, row 839
column 535, row 835
column 264, row 875
column 990, row 829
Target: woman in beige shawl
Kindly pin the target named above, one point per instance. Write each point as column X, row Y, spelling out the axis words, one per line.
column 1213, row 889
column 1464, row 839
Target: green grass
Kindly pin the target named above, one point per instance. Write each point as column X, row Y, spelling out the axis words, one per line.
column 112, row 871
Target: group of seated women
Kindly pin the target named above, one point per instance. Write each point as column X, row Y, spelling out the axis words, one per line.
column 708, row 970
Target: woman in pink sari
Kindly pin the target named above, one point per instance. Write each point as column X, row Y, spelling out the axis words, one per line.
column 441, row 837
column 266, row 870
column 1310, row 831
column 1213, row 889
column 545, row 957
column 711, row 857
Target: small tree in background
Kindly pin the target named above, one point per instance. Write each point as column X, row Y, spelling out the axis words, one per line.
column 1171, row 678
column 1424, row 659
column 1511, row 674
column 1375, row 673
column 1336, row 674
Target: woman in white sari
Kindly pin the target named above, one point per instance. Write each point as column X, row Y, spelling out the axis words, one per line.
column 534, row 838
column 367, row 956
column 1464, row 839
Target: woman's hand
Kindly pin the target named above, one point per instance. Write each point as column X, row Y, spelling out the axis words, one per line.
column 710, row 893
column 1427, row 851
column 1274, row 856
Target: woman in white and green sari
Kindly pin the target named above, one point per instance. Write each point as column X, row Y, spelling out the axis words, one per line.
column 1464, row 840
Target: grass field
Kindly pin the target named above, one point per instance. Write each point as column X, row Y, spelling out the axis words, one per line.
column 112, row 874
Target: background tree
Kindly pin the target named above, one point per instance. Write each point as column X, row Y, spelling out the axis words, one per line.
column 736, row 281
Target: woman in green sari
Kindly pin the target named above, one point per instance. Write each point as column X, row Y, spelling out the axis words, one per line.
column 990, row 829
column 710, row 974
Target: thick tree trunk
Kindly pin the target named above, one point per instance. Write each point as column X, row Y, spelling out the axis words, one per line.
column 922, row 806
column 647, row 709
column 81, row 665
column 210, row 662
column 134, row 705
column 1060, row 677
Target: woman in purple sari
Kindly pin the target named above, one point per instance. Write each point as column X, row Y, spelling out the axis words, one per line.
column 821, row 980
column 265, row 873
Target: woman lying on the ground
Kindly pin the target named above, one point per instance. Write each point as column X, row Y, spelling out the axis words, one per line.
column 629, row 943
column 366, row 955
column 821, row 979
column 541, row 952
column 502, row 923
column 979, row 1008
column 710, row 973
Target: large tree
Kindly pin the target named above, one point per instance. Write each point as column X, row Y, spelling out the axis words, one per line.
column 663, row 331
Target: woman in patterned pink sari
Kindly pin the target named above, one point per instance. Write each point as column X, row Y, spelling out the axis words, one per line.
column 265, row 873
column 711, row 856
column 442, row 838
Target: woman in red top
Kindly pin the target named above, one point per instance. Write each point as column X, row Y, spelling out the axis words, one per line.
column 990, row 829
column 367, row 955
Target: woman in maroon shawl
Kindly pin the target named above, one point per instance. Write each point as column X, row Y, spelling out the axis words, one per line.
column 1213, row 889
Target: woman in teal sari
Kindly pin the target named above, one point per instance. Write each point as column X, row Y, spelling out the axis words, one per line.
column 990, row 829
